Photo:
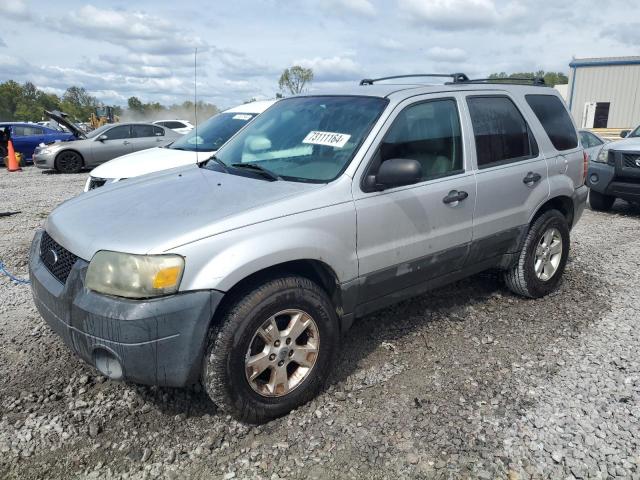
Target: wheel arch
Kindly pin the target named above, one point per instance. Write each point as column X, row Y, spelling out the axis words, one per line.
column 562, row 203
column 315, row 270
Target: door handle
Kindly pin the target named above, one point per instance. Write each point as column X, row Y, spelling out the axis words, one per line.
column 531, row 179
column 126, row 142
column 455, row 196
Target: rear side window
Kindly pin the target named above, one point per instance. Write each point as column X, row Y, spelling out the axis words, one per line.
column 501, row 133
column 23, row 131
column 158, row 132
column 174, row 125
column 555, row 120
column 141, row 131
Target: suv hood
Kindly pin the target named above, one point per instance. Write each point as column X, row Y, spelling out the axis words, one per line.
column 62, row 118
column 626, row 144
column 161, row 211
column 147, row 161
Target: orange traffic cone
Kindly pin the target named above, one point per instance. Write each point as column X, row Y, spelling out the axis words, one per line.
column 13, row 165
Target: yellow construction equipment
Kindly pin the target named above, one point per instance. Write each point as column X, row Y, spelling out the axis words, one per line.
column 102, row 116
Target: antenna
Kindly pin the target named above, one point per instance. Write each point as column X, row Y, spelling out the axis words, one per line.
column 195, row 96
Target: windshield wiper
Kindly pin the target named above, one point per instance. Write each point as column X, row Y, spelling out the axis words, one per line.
column 258, row 168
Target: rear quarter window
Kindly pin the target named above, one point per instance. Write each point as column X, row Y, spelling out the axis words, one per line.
column 555, row 120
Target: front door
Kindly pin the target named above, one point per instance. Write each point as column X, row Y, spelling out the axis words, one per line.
column 512, row 175
column 117, row 143
column 409, row 235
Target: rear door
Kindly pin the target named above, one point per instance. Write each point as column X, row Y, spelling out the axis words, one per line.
column 26, row 138
column 118, row 143
column 409, row 235
column 512, row 174
column 146, row 136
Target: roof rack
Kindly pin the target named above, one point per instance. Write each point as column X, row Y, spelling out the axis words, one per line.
column 535, row 81
column 457, row 77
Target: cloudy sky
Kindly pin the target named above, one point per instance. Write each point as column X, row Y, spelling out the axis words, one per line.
column 145, row 48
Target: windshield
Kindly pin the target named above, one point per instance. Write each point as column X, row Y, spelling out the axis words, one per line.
column 635, row 133
column 98, row 131
column 308, row 139
column 213, row 133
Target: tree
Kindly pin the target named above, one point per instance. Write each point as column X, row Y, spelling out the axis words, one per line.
column 135, row 105
column 78, row 103
column 294, row 79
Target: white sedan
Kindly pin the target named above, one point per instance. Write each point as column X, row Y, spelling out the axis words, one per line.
column 196, row 146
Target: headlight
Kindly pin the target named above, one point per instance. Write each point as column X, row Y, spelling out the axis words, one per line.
column 602, row 156
column 49, row 149
column 134, row 276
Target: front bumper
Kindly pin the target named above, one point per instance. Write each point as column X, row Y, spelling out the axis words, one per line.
column 157, row 341
column 46, row 161
column 618, row 179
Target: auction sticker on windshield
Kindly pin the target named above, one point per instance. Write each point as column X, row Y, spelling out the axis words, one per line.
column 241, row 116
column 329, row 139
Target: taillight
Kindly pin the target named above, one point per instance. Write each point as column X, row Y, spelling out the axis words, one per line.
column 585, row 167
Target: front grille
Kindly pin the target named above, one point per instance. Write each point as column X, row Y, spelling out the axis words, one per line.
column 96, row 182
column 56, row 258
column 630, row 160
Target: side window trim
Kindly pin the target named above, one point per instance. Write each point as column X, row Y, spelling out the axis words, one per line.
column 392, row 120
column 533, row 143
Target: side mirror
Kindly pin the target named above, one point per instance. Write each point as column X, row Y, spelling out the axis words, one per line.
column 624, row 133
column 103, row 137
column 395, row 172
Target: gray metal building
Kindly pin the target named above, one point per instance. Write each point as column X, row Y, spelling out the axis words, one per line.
column 604, row 92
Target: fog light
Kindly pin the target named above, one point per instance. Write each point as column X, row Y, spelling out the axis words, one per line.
column 594, row 178
column 108, row 364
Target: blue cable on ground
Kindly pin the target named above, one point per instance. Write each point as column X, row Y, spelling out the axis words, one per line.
column 11, row 277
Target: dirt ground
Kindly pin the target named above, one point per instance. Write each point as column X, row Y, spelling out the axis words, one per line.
column 468, row 381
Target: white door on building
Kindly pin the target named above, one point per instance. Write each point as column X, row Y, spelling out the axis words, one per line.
column 589, row 114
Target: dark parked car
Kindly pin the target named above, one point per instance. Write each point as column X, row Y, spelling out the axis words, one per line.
column 27, row 136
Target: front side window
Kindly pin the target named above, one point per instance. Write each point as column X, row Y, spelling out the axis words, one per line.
column 428, row 132
column 589, row 140
column 555, row 120
column 501, row 133
column 119, row 133
column 306, row 139
column 213, row 133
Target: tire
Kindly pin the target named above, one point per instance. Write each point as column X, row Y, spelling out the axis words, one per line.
column 69, row 161
column 522, row 278
column 600, row 202
column 225, row 374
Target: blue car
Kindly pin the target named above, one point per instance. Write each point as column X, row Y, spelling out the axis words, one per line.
column 27, row 136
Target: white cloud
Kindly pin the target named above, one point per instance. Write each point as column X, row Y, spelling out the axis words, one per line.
column 444, row 54
column 332, row 69
column 136, row 31
column 390, row 44
column 626, row 33
column 458, row 14
column 15, row 10
column 360, row 7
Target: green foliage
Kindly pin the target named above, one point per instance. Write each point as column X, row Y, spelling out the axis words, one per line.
column 550, row 78
column 27, row 103
column 294, row 79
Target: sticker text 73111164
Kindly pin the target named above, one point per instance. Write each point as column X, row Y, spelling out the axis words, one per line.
column 329, row 139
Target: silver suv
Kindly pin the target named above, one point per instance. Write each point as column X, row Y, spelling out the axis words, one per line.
column 242, row 271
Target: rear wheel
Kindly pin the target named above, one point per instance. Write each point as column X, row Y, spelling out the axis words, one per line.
column 543, row 257
column 600, row 202
column 68, row 162
column 273, row 350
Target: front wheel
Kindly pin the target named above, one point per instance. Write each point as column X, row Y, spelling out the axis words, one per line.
column 600, row 202
column 543, row 257
column 272, row 350
column 68, row 162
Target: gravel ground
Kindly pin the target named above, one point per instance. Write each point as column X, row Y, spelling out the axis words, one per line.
column 468, row 381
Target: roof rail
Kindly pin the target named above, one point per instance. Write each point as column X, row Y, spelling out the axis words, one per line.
column 535, row 81
column 457, row 77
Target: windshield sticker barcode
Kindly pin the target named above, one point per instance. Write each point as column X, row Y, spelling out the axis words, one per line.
column 241, row 116
column 329, row 139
